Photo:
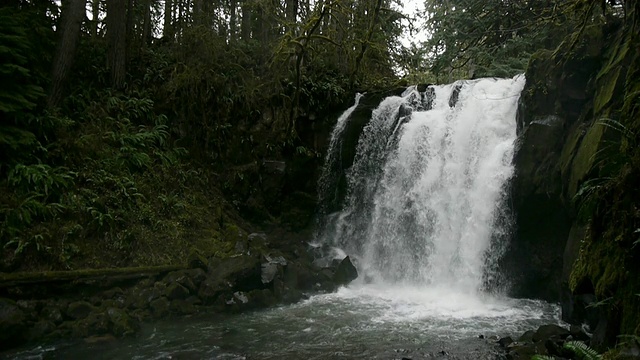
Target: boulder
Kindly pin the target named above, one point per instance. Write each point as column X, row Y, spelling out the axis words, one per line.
column 121, row 323
column 12, row 324
column 51, row 312
column 160, row 307
column 505, row 341
column 345, row 273
column 545, row 332
column 183, row 307
column 95, row 323
column 79, row 310
column 176, row 291
column 40, row 329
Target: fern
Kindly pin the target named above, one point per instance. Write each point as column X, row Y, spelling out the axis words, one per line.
column 40, row 178
column 582, row 350
column 542, row 357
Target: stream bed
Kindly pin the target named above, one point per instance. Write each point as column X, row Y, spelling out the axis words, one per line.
column 357, row 322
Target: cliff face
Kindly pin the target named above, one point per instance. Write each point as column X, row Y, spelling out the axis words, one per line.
column 576, row 191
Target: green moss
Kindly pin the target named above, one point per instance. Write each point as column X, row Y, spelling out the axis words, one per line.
column 604, row 92
column 585, row 156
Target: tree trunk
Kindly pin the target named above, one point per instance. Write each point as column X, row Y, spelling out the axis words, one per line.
column 95, row 12
column 167, row 32
column 232, row 20
column 245, row 31
column 73, row 12
column 291, row 15
column 117, row 41
column 130, row 36
column 146, row 26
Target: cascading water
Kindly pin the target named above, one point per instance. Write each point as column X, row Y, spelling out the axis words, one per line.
column 422, row 217
column 424, row 192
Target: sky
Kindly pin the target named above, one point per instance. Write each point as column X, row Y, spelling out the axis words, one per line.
column 411, row 8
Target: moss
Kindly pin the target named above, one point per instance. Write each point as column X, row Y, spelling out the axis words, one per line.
column 22, row 278
column 585, row 156
column 605, row 92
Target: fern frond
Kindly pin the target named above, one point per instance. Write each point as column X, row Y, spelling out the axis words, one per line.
column 582, row 350
column 542, row 357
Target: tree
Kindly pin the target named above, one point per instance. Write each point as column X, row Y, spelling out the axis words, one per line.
column 71, row 19
column 117, row 41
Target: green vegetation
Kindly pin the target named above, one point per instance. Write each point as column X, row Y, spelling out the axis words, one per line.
column 581, row 350
column 138, row 133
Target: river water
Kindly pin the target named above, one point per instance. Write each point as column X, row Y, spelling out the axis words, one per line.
column 357, row 322
column 425, row 222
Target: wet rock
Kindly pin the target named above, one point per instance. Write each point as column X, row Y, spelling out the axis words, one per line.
column 257, row 240
column 240, row 297
column 121, row 323
column 40, row 329
column 183, row 307
column 195, row 260
column 527, row 336
column 345, row 273
column 272, row 267
column 95, row 323
column 176, row 291
column 99, row 339
column 545, row 332
column 79, row 310
column 578, row 333
column 518, row 351
column 262, row 298
column 160, row 307
column 190, row 278
column 141, row 296
column 12, row 324
column 505, row 341
column 268, row 272
column 51, row 313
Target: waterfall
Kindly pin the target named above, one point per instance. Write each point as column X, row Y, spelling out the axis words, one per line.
column 426, row 189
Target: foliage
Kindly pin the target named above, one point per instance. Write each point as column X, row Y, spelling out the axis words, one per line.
column 582, row 350
column 471, row 38
column 542, row 357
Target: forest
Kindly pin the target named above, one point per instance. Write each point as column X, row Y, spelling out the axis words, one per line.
column 147, row 133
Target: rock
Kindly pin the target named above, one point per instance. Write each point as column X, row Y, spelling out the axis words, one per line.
column 268, row 272
column 51, row 313
column 505, row 341
column 160, row 307
column 545, row 332
column 272, row 266
column 176, row 291
column 522, row 351
column 99, row 339
column 345, row 273
column 261, row 298
column 527, row 336
column 578, row 333
column 257, row 240
column 79, row 310
column 183, row 307
column 240, row 297
column 190, row 278
column 142, row 295
column 40, row 329
column 554, row 346
column 195, row 260
column 241, row 272
column 12, row 324
column 95, row 323
column 121, row 323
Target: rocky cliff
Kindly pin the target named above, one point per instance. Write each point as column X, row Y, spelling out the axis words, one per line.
column 576, row 194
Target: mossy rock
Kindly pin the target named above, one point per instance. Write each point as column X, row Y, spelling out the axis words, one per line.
column 585, row 156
